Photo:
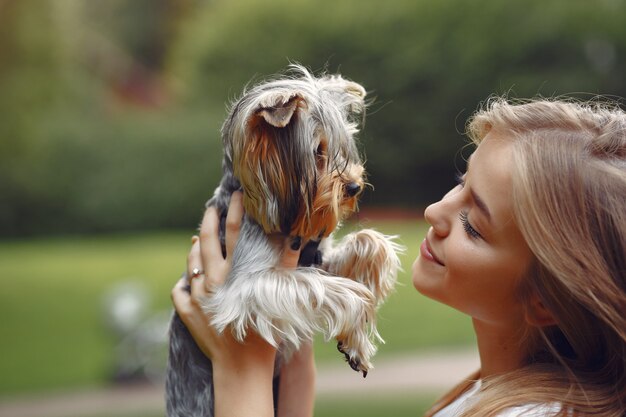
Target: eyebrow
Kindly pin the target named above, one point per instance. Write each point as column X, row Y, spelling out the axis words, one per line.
column 480, row 203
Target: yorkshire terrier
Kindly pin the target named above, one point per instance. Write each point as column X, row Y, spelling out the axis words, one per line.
column 289, row 145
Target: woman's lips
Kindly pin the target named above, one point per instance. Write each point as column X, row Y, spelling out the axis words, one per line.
column 427, row 253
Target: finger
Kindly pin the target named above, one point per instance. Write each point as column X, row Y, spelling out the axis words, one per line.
column 194, row 259
column 233, row 222
column 198, row 288
column 210, row 247
column 180, row 296
column 194, row 262
column 291, row 252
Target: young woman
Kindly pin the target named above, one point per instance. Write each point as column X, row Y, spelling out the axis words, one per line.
column 531, row 244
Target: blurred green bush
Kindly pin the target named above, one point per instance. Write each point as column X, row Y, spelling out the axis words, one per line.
column 92, row 174
column 76, row 154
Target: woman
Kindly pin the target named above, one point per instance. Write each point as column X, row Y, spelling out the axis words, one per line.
column 531, row 244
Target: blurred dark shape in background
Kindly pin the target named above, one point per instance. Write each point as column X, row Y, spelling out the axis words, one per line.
column 110, row 111
column 140, row 334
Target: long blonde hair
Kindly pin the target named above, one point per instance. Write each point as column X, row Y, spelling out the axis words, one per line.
column 569, row 198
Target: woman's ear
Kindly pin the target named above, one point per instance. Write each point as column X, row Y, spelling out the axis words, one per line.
column 538, row 315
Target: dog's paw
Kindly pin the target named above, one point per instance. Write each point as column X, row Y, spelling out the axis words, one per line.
column 354, row 363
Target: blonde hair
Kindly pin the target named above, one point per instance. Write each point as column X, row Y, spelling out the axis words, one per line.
column 569, row 197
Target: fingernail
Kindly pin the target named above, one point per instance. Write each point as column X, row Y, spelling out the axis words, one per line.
column 296, row 242
column 194, row 239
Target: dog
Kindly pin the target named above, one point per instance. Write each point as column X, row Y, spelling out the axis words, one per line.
column 290, row 146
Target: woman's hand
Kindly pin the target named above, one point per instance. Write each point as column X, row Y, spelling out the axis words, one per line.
column 206, row 256
column 242, row 372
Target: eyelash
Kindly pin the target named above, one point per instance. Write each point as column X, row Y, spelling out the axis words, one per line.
column 471, row 232
column 469, row 229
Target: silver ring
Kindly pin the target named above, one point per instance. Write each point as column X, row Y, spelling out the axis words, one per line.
column 196, row 272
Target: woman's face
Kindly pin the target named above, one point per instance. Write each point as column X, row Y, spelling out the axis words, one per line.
column 474, row 255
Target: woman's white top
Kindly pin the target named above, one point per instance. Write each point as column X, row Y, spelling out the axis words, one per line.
column 456, row 407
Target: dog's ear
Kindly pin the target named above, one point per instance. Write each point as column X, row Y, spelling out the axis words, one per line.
column 357, row 104
column 280, row 110
column 355, row 89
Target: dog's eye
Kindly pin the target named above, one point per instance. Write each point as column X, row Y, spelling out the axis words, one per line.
column 320, row 156
column 321, row 149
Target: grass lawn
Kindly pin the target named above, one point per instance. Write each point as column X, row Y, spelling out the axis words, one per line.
column 51, row 301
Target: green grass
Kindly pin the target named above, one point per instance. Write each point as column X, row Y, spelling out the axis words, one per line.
column 51, row 301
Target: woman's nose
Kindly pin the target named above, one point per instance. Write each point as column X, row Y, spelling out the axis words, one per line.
column 438, row 217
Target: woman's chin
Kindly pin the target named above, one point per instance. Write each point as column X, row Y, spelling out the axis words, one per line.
column 423, row 282
column 417, row 276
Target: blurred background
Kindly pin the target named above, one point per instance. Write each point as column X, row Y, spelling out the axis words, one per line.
column 109, row 146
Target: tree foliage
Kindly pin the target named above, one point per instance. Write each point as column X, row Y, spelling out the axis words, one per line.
column 76, row 157
column 427, row 63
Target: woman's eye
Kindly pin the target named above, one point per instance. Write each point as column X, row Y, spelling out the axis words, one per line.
column 469, row 229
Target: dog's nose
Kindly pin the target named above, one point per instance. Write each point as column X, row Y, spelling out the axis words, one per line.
column 352, row 189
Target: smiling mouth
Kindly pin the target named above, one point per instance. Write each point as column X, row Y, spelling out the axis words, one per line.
column 427, row 253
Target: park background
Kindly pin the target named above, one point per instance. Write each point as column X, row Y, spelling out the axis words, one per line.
column 109, row 146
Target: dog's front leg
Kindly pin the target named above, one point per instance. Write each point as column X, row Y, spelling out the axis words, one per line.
column 370, row 258
column 288, row 306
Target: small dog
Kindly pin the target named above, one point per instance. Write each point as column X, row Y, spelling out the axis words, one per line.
column 289, row 145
